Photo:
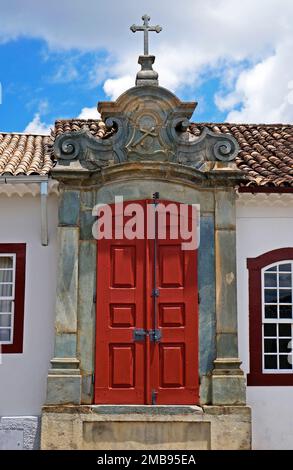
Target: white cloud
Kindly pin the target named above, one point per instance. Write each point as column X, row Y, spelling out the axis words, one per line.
column 65, row 74
column 263, row 91
column 115, row 87
column 199, row 38
column 89, row 113
column 36, row 126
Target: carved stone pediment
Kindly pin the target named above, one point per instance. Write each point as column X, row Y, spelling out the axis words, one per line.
column 151, row 124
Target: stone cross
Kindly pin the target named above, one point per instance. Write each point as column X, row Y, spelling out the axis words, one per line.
column 146, row 28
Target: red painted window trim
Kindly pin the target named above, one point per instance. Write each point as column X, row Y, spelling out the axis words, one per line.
column 255, row 265
column 19, row 249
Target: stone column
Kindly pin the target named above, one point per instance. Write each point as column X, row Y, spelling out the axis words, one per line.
column 64, row 378
column 228, row 381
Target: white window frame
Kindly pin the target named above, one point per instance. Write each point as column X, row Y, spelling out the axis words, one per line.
column 276, row 321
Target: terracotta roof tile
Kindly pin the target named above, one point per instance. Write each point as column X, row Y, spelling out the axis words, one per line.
column 96, row 128
column 265, row 157
column 22, row 154
column 266, row 151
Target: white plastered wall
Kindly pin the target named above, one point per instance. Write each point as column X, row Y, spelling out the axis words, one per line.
column 264, row 223
column 23, row 376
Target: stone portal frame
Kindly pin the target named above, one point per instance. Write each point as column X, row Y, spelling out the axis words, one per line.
column 148, row 149
column 70, row 379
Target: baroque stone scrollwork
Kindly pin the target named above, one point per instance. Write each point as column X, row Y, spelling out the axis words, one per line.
column 149, row 123
column 92, row 153
column 209, row 146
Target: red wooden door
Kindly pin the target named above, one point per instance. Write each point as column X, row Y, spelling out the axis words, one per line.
column 146, row 285
column 174, row 359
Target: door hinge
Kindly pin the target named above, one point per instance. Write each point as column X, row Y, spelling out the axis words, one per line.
column 154, row 397
column 198, row 298
column 95, row 298
column 155, row 293
column 93, row 378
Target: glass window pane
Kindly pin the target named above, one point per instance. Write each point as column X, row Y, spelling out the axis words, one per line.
column 270, row 329
column 271, row 345
column 5, row 306
column 6, row 290
column 271, row 362
column 285, row 267
column 6, row 276
column 4, row 334
column 5, row 320
column 285, row 330
column 285, row 296
column 285, row 311
column 271, row 296
column 274, row 268
column 285, row 362
column 285, row 280
column 271, row 311
column 271, row 279
column 6, row 262
column 285, row 345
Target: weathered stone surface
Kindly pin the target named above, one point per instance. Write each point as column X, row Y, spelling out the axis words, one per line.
column 87, row 314
column 69, row 208
column 206, row 288
column 144, row 189
column 87, row 199
column 87, row 388
column 11, row 439
column 22, row 433
column 231, row 427
column 66, row 364
column 228, row 389
column 63, row 389
column 151, row 124
column 67, row 282
column 225, row 209
column 205, row 390
column 89, row 428
column 65, row 345
column 227, row 345
column 152, row 411
column 146, row 435
column 87, row 221
column 226, row 301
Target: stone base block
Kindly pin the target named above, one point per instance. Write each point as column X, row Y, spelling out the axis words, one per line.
column 228, row 390
column 63, row 389
column 145, row 427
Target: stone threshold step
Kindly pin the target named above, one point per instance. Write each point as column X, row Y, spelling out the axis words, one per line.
column 147, row 409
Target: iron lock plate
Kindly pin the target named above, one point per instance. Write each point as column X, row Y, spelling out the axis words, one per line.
column 139, row 335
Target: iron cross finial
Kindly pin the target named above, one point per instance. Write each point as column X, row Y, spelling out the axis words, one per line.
column 146, row 28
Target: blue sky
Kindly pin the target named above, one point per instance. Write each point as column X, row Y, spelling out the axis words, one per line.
column 60, row 66
column 32, row 84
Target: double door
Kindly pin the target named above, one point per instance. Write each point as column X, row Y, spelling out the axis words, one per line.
column 147, row 316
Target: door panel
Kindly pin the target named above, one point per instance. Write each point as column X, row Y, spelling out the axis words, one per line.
column 134, row 372
column 174, row 360
column 120, row 362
